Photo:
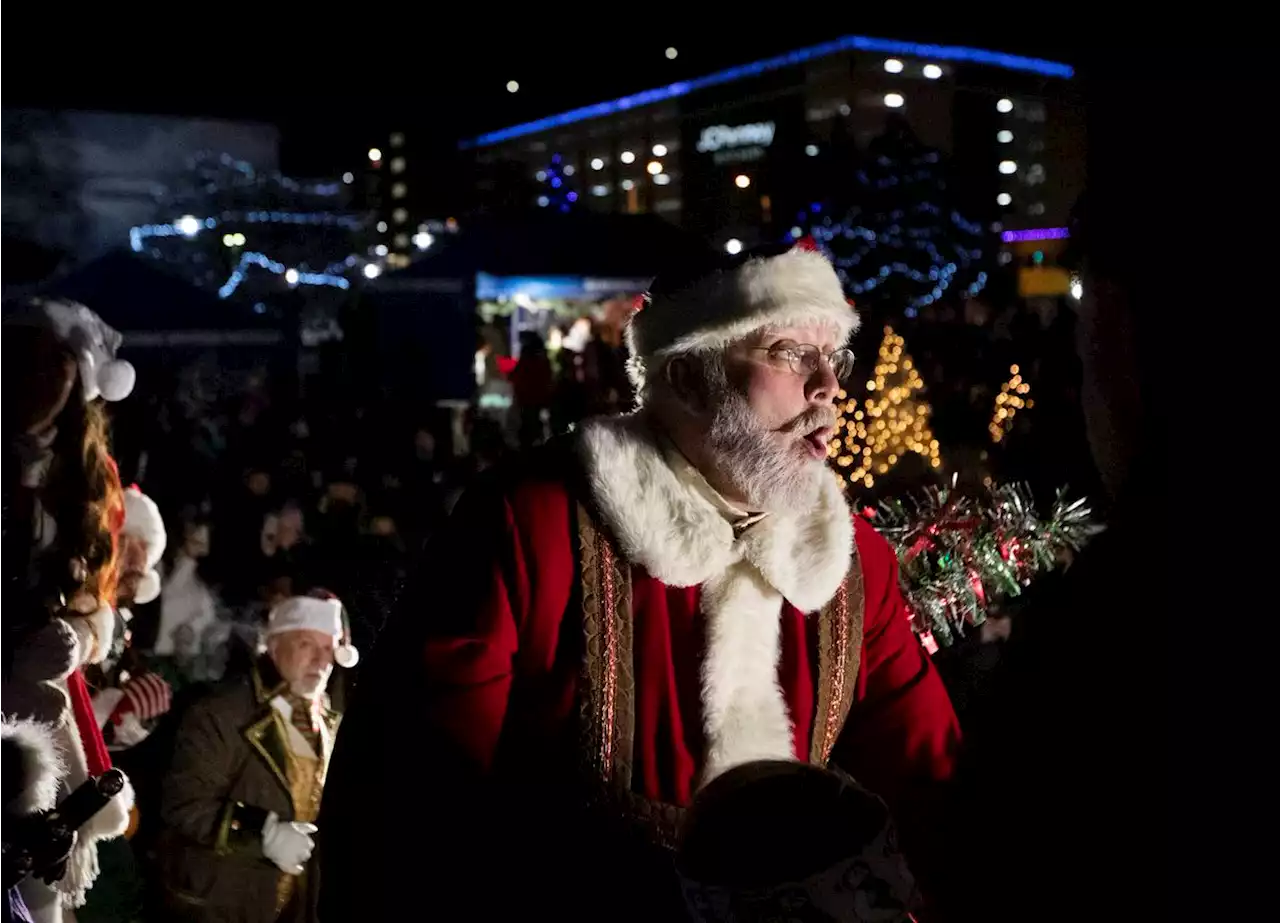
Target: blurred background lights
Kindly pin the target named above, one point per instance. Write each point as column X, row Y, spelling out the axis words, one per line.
column 1008, row 166
column 733, row 246
column 894, row 100
column 932, row 71
column 1004, row 105
column 513, row 86
column 893, row 65
column 742, row 181
column 627, row 157
column 375, row 154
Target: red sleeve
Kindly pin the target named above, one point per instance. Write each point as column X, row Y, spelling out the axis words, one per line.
column 902, row 736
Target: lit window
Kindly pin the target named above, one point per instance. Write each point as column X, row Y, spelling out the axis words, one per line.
column 932, row 71
column 627, row 157
column 399, row 216
column 654, row 167
column 375, row 154
column 399, row 190
column 1008, row 166
column 628, row 184
column 397, row 139
column 397, row 164
column 1004, row 199
column 732, row 246
column 659, row 150
column 662, row 179
column 811, row 150
column 893, row 65
column 1004, row 105
column 894, row 100
column 597, row 164
column 742, row 181
column 513, row 86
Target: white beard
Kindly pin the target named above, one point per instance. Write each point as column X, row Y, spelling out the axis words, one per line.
column 770, row 474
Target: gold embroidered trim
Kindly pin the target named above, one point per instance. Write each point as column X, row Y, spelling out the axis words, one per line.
column 839, row 657
column 609, row 692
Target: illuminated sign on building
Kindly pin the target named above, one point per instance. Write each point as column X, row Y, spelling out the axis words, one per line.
column 718, row 137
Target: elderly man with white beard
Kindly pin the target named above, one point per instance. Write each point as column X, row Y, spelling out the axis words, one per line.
column 609, row 624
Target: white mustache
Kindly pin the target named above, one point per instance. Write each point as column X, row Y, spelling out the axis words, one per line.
column 812, row 419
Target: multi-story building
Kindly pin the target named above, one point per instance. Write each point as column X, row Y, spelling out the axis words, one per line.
column 736, row 155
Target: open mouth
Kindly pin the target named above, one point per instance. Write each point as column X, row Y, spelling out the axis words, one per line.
column 816, row 441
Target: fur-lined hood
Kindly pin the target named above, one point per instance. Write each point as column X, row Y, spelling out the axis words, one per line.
column 673, row 531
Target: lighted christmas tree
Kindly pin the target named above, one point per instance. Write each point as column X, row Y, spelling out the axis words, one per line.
column 1011, row 399
column 895, row 232
column 874, row 433
column 558, row 192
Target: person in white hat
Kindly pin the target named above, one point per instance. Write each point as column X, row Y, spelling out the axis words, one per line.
column 249, row 767
column 608, row 625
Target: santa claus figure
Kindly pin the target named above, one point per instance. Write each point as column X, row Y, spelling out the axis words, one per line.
column 611, row 624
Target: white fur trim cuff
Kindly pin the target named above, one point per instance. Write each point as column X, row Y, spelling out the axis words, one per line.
column 42, row 765
column 793, row 288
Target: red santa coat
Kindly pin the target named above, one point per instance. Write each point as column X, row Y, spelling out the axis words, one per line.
column 603, row 637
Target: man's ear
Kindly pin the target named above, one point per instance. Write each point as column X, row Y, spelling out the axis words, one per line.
column 685, row 383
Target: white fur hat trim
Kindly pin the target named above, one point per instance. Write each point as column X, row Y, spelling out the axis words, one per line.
column 94, row 343
column 308, row 613
column 793, row 288
column 142, row 520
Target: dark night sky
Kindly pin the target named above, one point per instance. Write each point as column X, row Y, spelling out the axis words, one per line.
column 336, row 86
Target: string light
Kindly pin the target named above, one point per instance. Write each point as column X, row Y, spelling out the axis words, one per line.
column 874, row 434
column 1012, row 398
column 329, row 277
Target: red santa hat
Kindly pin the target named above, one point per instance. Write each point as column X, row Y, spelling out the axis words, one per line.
column 91, row 340
column 711, row 304
column 324, row 615
column 142, row 520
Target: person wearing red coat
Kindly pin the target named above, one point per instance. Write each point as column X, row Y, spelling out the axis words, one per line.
column 626, row 615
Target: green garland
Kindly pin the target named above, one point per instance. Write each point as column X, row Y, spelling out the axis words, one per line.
column 957, row 554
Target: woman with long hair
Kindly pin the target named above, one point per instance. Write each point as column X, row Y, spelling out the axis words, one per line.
column 64, row 507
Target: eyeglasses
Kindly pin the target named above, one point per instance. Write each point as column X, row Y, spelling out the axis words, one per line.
column 805, row 359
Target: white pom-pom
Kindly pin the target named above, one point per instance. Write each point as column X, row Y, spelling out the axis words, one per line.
column 346, row 656
column 116, row 379
column 148, row 588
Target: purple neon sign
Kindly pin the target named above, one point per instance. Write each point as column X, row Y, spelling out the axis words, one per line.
column 1013, row 237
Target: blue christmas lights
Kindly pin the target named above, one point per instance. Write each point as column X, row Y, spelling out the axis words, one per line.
column 800, row 56
column 252, row 258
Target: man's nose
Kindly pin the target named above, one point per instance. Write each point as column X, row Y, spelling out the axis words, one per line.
column 822, row 386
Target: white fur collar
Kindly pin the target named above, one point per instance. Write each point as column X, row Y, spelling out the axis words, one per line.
column 677, row 535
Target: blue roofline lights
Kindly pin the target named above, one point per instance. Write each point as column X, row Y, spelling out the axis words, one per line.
column 847, row 43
